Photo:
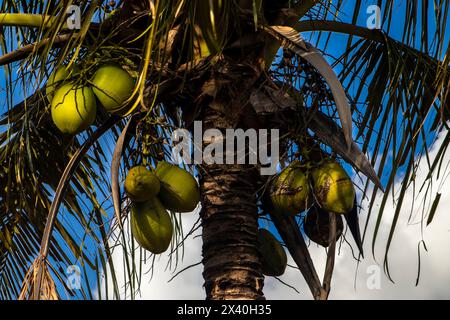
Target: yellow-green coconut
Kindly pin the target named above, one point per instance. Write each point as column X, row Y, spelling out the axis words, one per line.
column 289, row 192
column 179, row 190
column 55, row 80
column 141, row 184
column 316, row 225
column 273, row 256
column 113, row 86
column 333, row 188
column 151, row 225
column 73, row 108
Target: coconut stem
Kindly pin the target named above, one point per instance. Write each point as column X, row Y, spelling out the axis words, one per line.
column 26, row 20
column 326, row 283
column 59, row 194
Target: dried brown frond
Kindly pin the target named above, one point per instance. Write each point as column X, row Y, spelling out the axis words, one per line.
column 48, row 288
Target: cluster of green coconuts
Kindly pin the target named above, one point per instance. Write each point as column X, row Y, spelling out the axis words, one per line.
column 74, row 106
column 152, row 193
column 291, row 193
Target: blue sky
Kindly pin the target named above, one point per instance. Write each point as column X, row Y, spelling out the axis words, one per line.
column 335, row 48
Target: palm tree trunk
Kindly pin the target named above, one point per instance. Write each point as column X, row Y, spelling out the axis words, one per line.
column 232, row 268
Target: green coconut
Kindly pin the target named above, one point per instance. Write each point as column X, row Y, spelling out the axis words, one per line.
column 113, row 86
column 73, row 108
column 57, row 78
column 289, row 192
column 333, row 188
column 54, row 80
column 141, row 184
column 151, row 225
column 316, row 224
column 273, row 256
column 179, row 190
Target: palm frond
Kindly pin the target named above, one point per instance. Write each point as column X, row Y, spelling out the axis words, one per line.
column 294, row 42
column 400, row 91
column 32, row 170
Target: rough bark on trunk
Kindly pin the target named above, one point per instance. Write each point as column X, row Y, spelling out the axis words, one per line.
column 232, row 268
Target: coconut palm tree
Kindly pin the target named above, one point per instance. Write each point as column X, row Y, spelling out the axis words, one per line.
column 229, row 64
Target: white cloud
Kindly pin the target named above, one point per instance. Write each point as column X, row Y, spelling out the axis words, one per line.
column 435, row 264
